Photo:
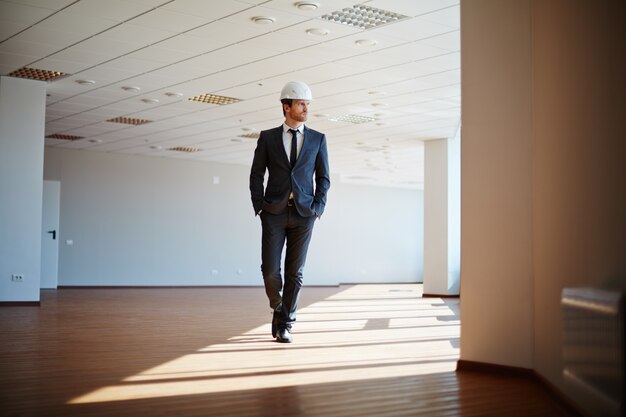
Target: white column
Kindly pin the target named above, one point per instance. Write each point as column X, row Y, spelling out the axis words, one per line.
column 442, row 216
column 22, row 124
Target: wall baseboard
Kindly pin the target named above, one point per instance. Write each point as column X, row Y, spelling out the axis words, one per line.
column 441, row 296
column 129, row 287
column 20, row 303
column 514, row 371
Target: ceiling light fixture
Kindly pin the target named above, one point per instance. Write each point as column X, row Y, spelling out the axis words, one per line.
column 62, row 136
column 37, row 74
column 173, row 94
column 263, row 20
column 363, row 17
column 156, row 147
column 366, row 42
column 129, row 121
column 352, row 118
column 95, row 140
column 318, row 32
column 85, row 82
column 214, row 99
column 253, row 135
column 131, row 88
column 307, row 5
column 150, row 100
column 186, row 149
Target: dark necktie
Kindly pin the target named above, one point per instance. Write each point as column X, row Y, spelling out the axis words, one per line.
column 294, row 144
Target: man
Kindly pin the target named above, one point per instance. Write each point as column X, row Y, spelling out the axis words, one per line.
column 293, row 155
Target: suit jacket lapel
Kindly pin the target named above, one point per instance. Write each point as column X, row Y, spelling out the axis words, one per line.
column 280, row 146
column 305, row 142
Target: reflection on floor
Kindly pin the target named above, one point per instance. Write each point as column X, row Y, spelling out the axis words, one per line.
column 362, row 350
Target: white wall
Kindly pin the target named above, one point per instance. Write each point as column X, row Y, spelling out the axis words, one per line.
column 151, row 221
column 442, row 215
column 579, row 154
column 544, row 179
column 22, row 117
column 496, row 192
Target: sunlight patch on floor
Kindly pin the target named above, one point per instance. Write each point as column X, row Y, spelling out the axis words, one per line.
column 363, row 332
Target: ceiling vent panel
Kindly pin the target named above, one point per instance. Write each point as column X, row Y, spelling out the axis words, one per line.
column 363, row 17
column 186, row 149
column 352, row 118
column 61, row 136
column 129, row 121
column 37, row 74
column 252, row 135
column 214, row 99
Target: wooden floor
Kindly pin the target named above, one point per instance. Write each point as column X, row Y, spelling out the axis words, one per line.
column 363, row 350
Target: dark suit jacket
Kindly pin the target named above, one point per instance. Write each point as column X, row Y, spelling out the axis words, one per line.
column 312, row 161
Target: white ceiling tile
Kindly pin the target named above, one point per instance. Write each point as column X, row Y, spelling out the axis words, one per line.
column 117, row 10
column 15, row 46
column 15, row 61
column 412, row 29
column 138, row 34
column 9, row 28
column 68, row 67
column 207, row 10
column 81, row 26
column 57, row 38
column 450, row 41
column 450, row 16
column 192, row 44
column 78, row 54
column 412, row 7
column 23, row 13
column 48, row 4
column 169, row 20
column 289, row 6
column 161, row 55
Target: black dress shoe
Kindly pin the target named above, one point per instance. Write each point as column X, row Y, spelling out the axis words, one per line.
column 275, row 323
column 283, row 336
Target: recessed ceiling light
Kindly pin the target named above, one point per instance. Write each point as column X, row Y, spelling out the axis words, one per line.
column 366, row 42
column 95, row 140
column 376, row 93
column 86, row 82
column 307, row 5
column 240, row 140
column 380, row 105
column 131, row 88
column 263, row 20
column 173, row 94
column 321, row 115
column 156, row 147
column 150, row 100
column 318, row 32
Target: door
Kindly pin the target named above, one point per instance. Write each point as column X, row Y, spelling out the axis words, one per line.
column 50, row 234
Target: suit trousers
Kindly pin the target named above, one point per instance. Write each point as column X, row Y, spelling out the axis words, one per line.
column 296, row 230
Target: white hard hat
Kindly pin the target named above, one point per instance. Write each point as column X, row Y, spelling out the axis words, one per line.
column 296, row 90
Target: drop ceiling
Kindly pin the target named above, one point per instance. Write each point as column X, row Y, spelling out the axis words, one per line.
column 379, row 92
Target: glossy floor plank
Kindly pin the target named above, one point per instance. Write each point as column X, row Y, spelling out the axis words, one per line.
column 362, row 350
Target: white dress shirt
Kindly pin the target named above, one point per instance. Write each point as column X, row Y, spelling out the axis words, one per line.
column 287, row 139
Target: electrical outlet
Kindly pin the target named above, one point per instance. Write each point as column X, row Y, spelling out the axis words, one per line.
column 17, row 278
